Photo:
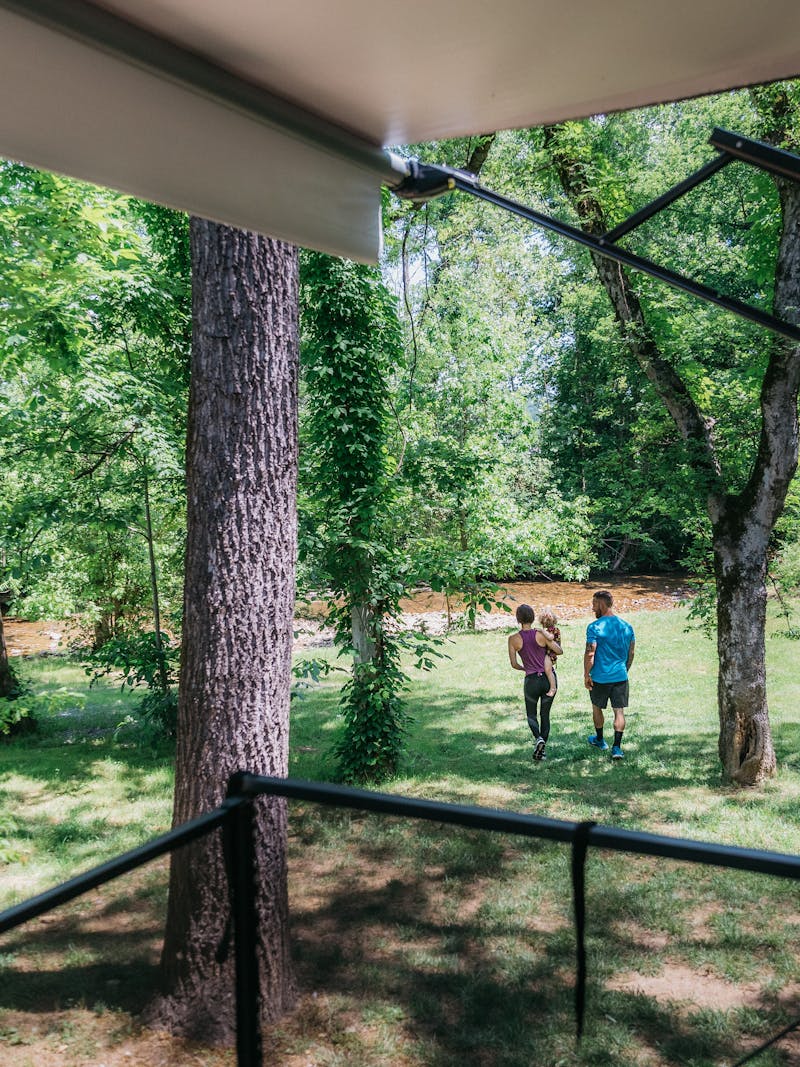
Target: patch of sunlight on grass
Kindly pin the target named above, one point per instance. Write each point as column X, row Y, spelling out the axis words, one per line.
column 500, row 749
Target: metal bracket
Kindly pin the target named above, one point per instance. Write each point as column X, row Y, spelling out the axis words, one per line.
column 426, row 181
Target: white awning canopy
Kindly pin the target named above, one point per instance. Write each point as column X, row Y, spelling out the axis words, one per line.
column 271, row 114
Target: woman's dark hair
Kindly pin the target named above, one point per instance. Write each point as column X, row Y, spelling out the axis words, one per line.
column 525, row 614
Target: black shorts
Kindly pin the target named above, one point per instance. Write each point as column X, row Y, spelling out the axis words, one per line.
column 602, row 692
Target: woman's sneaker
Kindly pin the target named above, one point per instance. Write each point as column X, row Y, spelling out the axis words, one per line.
column 538, row 748
column 598, row 742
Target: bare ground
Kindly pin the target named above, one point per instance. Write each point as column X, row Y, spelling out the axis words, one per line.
column 364, row 932
column 568, row 600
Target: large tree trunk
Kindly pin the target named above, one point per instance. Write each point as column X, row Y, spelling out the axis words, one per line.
column 745, row 738
column 238, row 615
column 742, row 528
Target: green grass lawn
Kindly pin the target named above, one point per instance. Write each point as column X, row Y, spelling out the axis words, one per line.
column 429, row 945
column 469, row 741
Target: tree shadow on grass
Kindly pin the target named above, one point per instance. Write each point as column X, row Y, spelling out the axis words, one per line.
column 71, row 765
column 477, row 984
column 103, row 949
column 456, row 930
column 440, row 745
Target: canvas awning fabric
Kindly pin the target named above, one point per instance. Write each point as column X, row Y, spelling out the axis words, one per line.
column 272, row 114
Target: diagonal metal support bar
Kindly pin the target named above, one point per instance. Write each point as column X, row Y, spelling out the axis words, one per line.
column 639, row 263
column 673, row 194
column 426, row 181
column 730, row 146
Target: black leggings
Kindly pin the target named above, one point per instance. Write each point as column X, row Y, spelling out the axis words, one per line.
column 536, row 686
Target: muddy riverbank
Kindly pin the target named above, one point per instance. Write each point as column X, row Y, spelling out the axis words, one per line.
column 568, row 600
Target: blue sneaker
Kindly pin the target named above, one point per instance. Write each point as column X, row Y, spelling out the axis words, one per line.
column 602, row 745
column 617, row 753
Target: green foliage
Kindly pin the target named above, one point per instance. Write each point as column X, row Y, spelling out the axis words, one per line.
column 15, row 684
column 462, row 576
column 375, row 721
column 143, row 660
column 15, row 718
column 94, row 354
column 138, row 657
column 22, row 713
column 786, row 568
column 159, row 709
column 611, row 435
column 351, row 342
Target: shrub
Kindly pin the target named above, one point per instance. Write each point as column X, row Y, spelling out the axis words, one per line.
column 159, row 709
column 15, row 718
column 143, row 661
column 16, row 714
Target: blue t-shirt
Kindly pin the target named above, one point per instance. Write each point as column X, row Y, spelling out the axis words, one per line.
column 613, row 637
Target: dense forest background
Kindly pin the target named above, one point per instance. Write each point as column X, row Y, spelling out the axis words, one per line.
column 507, row 430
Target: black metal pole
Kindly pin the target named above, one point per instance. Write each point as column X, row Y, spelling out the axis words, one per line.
column 673, row 194
column 782, row 865
column 580, row 845
column 600, row 246
column 105, row 872
column 241, row 873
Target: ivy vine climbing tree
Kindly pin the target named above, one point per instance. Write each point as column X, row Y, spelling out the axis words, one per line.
column 351, row 347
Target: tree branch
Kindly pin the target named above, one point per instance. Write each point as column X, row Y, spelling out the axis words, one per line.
column 694, row 428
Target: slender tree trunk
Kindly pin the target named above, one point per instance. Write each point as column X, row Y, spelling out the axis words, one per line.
column 6, row 677
column 621, row 553
column 363, row 622
column 238, row 613
column 151, row 555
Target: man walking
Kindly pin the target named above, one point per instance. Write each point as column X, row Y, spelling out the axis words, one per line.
column 610, row 644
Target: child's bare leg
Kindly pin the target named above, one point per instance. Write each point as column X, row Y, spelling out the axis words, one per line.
column 551, row 677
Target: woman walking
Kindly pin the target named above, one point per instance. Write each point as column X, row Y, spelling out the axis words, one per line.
column 528, row 651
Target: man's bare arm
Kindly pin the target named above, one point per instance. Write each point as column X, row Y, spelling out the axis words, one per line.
column 588, row 663
column 631, row 650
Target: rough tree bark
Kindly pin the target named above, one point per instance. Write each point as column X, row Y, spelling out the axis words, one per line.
column 238, row 616
column 741, row 522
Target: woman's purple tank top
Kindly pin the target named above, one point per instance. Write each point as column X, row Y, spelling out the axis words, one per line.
column 532, row 653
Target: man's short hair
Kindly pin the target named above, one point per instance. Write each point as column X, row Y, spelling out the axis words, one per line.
column 605, row 596
column 525, row 614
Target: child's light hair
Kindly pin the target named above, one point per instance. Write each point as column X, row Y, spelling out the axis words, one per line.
column 547, row 617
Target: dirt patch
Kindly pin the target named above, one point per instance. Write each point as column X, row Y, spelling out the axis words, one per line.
column 428, row 611
column 696, row 988
column 571, row 600
column 568, row 600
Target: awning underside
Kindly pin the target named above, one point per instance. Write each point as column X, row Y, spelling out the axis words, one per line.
column 270, row 116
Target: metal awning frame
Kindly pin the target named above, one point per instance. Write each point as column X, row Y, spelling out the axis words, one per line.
column 427, row 181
